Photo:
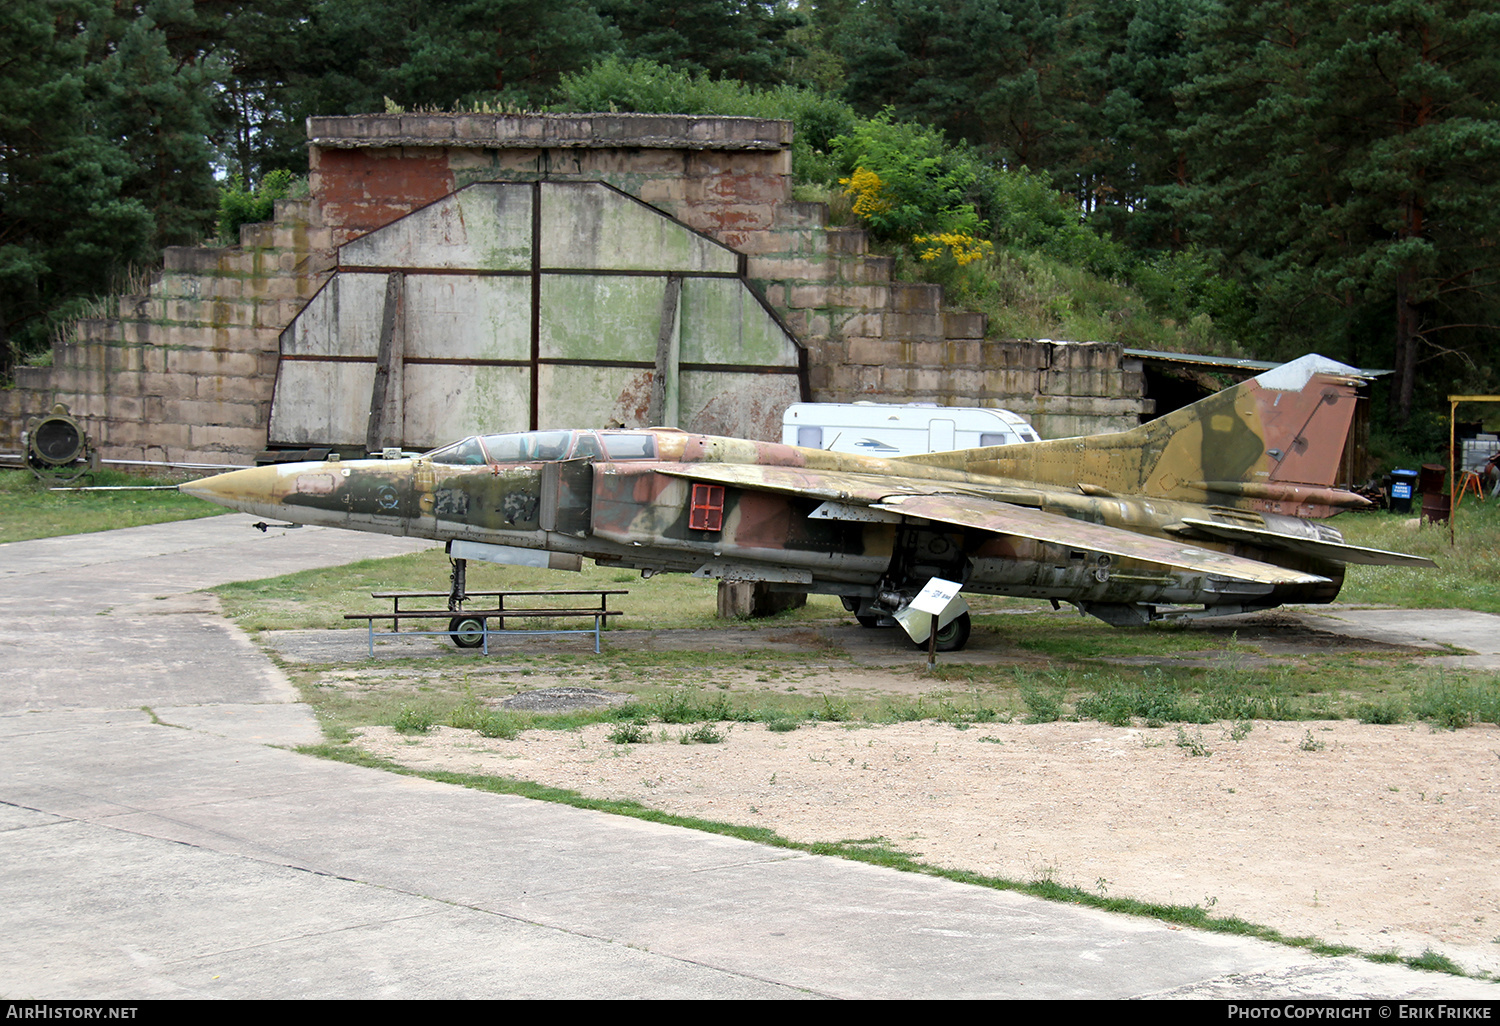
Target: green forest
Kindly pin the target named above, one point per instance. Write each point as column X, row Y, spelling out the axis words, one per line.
column 1243, row 177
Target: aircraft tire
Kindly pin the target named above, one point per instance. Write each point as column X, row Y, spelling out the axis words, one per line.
column 953, row 637
column 467, row 631
column 868, row 621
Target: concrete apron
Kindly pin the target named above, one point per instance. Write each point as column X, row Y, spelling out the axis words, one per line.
column 142, row 859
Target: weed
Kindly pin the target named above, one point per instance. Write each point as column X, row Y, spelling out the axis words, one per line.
column 632, row 712
column 703, row 734
column 834, row 712
column 630, row 734
column 1385, row 711
column 1193, row 745
column 1310, row 743
column 1241, row 730
column 1041, row 706
column 486, row 722
column 411, row 720
column 1246, row 695
column 1154, row 700
column 906, row 713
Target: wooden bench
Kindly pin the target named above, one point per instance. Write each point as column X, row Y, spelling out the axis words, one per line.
column 470, row 628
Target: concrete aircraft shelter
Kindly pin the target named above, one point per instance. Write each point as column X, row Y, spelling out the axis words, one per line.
column 465, row 272
column 514, row 305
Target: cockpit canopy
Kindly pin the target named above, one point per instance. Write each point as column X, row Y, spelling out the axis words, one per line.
column 546, row 447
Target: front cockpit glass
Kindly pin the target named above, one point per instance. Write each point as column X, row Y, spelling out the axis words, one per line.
column 528, row 446
column 629, row 446
column 465, row 454
column 544, row 446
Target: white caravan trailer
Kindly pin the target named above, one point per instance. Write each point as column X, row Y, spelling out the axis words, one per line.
column 877, row 429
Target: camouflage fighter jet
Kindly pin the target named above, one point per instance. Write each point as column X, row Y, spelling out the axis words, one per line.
column 1211, row 505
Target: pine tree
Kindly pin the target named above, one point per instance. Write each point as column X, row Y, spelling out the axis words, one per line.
column 746, row 40
column 1346, row 158
column 1135, row 56
column 159, row 108
column 993, row 74
column 65, row 224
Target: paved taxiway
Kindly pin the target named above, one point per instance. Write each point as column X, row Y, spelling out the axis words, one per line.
column 159, row 839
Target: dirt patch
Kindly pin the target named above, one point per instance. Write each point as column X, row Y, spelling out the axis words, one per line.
column 562, row 698
column 1381, row 837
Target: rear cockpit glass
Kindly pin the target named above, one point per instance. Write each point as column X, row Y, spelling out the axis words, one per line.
column 629, row 447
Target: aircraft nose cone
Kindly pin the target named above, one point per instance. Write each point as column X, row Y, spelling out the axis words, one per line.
column 249, row 490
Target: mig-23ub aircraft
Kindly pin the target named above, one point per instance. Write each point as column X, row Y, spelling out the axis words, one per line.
column 1211, row 505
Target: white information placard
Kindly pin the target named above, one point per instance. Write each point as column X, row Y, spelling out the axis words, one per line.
column 935, row 597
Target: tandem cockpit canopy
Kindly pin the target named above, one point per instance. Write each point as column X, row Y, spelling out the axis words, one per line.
column 546, row 447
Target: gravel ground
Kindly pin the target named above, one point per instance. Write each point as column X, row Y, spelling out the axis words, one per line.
column 1380, row 837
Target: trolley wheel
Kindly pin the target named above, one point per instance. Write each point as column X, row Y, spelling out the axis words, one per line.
column 467, row 631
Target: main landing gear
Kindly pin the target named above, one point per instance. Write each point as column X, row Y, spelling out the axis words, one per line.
column 466, row 631
column 952, row 636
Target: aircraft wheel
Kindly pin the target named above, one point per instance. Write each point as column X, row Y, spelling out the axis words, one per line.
column 954, row 636
column 467, row 631
column 868, row 621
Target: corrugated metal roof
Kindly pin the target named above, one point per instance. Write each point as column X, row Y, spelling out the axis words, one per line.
column 1224, row 362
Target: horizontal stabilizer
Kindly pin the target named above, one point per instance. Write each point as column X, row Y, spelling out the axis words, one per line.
column 1307, row 546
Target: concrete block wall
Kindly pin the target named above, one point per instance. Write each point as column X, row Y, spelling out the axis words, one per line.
column 872, row 338
column 184, row 372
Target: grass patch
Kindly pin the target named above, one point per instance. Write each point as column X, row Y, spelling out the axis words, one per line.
column 487, row 722
column 318, row 599
column 1219, row 678
column 1119, row 702
column 1453, row 704
column 1468, row 574
column 29, row 510
column 461, row 690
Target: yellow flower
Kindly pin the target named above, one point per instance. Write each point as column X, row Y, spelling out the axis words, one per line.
column 866, row 188
column 965, row 248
